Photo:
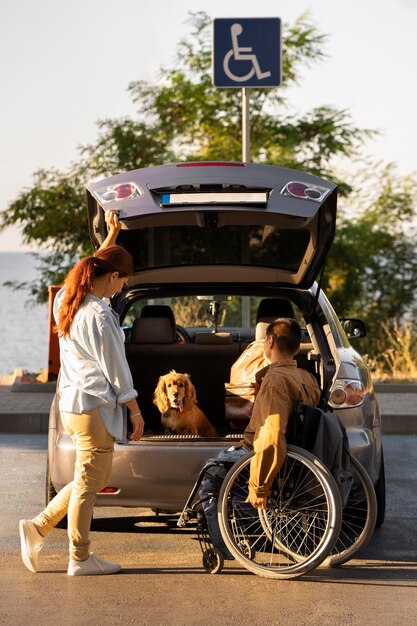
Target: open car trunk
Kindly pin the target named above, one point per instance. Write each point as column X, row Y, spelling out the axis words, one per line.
column 206, row 222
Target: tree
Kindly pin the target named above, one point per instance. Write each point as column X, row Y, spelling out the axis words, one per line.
column 205, row 123
column 52, row 215
column 371, row 271
column 183, row 118
column 372, row 268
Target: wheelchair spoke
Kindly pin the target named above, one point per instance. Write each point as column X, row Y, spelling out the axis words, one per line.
column 297, row 530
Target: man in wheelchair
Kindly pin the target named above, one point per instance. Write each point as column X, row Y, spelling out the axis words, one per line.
column 280, row 384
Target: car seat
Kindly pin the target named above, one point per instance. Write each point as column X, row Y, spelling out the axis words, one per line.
column 240, row 391
column 270, row 309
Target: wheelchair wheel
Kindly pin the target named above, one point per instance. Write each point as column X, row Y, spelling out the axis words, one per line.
column 213, row 561
column 358, row 518
column 299, row 528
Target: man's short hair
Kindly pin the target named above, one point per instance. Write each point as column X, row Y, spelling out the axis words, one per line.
column 287, row 334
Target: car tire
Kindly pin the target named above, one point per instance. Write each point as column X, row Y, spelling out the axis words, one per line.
column 380, row 494
column 50, row 493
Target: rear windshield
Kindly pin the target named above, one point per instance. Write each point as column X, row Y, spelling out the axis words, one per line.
column 234, row 311
column 258, row 245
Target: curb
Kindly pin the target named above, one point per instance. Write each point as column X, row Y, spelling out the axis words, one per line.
column 34, row 417
column 24, row 423
column 399, row 424
column 18, row 387
column 35, row 423
column 395, row 387
column 16, row 382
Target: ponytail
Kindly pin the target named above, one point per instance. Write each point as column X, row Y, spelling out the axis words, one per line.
column 79, row 281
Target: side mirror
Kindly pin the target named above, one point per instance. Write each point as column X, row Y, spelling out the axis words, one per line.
column 354, row 328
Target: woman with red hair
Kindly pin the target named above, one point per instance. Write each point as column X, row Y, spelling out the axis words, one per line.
column 94, row 387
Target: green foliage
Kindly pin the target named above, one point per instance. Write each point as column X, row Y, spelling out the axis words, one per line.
column 396, row 360
column 52, row 216
column 372, row 270
column 125, row 145
column 52, row 212
column 204, row 123
column 189, row 311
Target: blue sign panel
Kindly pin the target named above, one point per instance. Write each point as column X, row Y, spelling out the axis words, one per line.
column 247, row 52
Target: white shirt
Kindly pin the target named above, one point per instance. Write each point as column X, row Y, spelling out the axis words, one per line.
column 94, row 370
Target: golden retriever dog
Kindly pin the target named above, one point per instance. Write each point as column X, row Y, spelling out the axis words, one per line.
column 176, row 399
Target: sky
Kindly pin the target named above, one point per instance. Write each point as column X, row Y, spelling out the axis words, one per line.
column 66, row 65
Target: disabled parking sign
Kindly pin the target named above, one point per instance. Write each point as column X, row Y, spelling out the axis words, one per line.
column 247, row 52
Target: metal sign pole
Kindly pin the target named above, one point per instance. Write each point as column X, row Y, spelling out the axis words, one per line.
column 245, row 159
column 246, row 51
column 245, row 125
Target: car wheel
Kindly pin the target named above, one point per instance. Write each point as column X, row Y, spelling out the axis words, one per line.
column 50, row 493
column 380, row 494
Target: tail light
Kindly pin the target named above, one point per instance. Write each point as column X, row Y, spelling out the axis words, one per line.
column 297, row 189
column 346, row 393
column 122, row 191
column 110, row 490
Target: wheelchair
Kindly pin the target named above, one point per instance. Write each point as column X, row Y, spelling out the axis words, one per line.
column 304, row 526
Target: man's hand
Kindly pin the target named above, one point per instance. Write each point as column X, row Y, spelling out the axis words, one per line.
column 257, row 502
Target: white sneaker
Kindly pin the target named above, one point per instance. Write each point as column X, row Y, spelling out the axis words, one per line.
column 31, row 543
column 93, row 566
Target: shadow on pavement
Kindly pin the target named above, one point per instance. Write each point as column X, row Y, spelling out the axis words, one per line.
column 386, row 574
column 162, row 524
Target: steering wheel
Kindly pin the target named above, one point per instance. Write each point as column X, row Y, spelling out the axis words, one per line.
column 182, row 334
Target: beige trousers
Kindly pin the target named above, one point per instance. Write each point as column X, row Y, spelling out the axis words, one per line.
column 94, row 455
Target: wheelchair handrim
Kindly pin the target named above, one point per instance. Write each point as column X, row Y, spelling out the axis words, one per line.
column 329, row 524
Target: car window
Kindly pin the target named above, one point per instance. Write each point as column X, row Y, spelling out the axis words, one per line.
column 184, row 245
column 336, row 327
column 189, row 311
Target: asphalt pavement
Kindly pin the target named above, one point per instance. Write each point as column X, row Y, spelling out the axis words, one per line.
column 24, row 407
column 163, row 582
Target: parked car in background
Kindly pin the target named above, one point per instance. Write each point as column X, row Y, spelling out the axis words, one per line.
column 219, row 249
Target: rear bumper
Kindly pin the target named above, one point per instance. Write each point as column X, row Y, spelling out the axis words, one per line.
column 160, row 473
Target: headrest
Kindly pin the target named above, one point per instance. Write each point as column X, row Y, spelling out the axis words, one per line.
column 153, row 330
column 260, row 330
column 213, row 338
column 271, row 308
column 158, row 310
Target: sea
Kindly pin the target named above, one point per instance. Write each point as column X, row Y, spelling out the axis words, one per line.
column 23, row 325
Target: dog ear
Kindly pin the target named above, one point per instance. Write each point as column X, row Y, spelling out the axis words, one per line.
column 160, row 398
column 190, row 397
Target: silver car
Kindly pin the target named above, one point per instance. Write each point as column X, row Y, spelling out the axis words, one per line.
column 219, row 250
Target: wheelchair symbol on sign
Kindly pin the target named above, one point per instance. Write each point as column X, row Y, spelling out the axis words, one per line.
column 242, row 54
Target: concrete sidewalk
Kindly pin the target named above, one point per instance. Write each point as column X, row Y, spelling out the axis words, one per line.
column 399, row 413
column 24, row 408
